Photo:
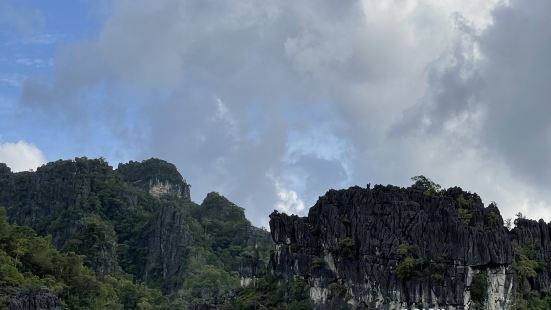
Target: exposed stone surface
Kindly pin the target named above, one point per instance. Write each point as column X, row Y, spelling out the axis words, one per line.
column 167, row 239
column 157, row 177
column 536, row 235
column 40, row 300
column 351, row 244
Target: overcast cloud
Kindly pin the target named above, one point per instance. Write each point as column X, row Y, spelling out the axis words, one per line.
column 272, row 103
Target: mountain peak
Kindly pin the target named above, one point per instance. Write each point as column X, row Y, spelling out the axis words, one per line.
column 156, row 176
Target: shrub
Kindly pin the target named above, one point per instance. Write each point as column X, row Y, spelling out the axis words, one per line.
column 479, row 287
column 431, row 188
column 346, row 248
column 403, row 249
column 462, row 202
column 407, row 268
column 525, row 264
column 465, row 215
column 318, row 263
column 439, row 269
column 492, row 218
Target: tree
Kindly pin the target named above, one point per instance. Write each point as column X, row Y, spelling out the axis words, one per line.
column 431, row 188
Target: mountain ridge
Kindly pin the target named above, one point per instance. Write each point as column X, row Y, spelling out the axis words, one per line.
column 136, row 221
column 388, row 247
column 138, row 241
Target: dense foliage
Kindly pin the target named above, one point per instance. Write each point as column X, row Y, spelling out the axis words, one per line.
column 29, row 263
column 272, row 293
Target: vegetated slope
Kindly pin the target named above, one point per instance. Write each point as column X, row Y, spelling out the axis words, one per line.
column 131, row 238
column 137, row 221
column 34, row 275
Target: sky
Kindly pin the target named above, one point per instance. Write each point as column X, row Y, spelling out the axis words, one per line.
column 271, row 103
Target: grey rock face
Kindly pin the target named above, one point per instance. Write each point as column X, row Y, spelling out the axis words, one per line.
column 167, row 242
column 354, row 247
column 536, row 235
column 157, row 177
column 41, row 300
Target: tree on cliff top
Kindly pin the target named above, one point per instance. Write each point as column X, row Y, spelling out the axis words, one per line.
column 431, row 187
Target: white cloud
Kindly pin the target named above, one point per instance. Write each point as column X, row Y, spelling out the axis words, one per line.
column 21, row 156
column 288, row 201
column 310, row 93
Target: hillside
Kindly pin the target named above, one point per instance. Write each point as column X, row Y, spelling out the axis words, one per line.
column 136, row 223
column 78, row 234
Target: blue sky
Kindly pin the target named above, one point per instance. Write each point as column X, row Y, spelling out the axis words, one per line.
column 31, row 32
column 272, row 103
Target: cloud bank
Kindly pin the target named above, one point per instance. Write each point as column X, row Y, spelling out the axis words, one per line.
column 21, row 156
column 274, row 102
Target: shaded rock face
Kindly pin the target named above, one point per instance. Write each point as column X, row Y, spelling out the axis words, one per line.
column 167, row 239
column 36, row 199
column 157, row 177
column 396, row 248
column 41, row 300
column 229, row 225
column 252, row 267
column 537, row 236
column 59, row 198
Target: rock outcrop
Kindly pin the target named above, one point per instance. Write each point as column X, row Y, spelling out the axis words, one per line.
column 168, row 237
column 138, row 221
column 157, row 177
column 397, row 248
column 532, row 239
column 40, row 300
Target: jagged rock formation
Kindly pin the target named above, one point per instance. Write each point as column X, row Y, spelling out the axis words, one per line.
column 396, row 248
column 532, row 239
column 168, row 237
column 367, row 248
column 40, row 300
column 157, row 177
column 138, row 221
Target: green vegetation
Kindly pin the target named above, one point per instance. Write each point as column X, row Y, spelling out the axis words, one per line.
column 465, row 215
column 525, row 264
column 492, row 218
column 464, row 211
column 430, row 187
column 534, row 301
column 408, row 268
column 346, row 248
column 104, row 220
column 229, row 231
column 439, row 268
column 207, row 282
column 403, row 249
column 29, row 262
column 479, row 288
column 272, row 293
